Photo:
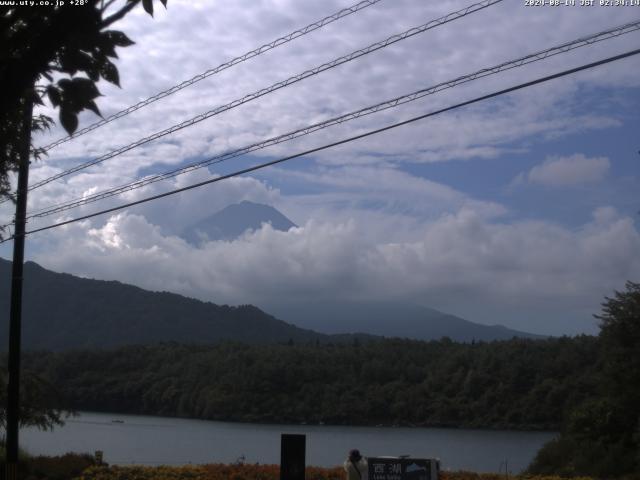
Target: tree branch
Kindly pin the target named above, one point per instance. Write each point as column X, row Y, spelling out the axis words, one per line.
column 120, row 13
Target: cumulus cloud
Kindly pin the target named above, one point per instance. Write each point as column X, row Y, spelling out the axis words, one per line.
column 165, row 54
column 368, row 228
column 558, row 171
column 462, row 263
column 218, row 31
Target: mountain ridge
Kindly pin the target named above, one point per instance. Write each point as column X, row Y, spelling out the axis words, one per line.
column 62, row 311
column 390, row 319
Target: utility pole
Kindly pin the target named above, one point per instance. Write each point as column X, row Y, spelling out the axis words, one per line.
column 15, row 319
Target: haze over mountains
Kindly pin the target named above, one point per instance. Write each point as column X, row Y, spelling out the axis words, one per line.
column 62, row 311
column 390, row 319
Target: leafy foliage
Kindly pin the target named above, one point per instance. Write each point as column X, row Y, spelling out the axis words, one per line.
column 64, row 312
column 620, row 336
column 601, row 435
column 254, row 472
column 513, row 384
column 41, row 404
column 69, row 49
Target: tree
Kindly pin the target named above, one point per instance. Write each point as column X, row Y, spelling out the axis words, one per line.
column 70, row 47
column 620, row 337
column 58, row 53
column 42, row 405
column 601, row 436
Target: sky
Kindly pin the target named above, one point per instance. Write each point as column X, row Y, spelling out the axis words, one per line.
column 521, row 210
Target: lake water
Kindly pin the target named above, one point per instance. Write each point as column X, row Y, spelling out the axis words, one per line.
column 146, row 440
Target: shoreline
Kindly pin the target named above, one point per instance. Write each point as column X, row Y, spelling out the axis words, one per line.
column 500, row 428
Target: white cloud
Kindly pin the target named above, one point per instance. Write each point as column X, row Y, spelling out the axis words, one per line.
column 528, row 275
column 376, row 230
column 558, row 171
column 357, row 191
column 191, row 37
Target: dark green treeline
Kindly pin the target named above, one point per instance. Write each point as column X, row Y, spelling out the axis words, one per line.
column 523, row 384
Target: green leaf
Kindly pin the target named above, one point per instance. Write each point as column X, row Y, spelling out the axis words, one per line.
column 83, row 90
column 54, row 95
column 148, row 6
column 108, row 49
column 73, row 61
column 69, row 120
column 76, row 95
column 93, row 107
column 93, row 73
column 67, row 63
column 117, row 38
column 110, row 73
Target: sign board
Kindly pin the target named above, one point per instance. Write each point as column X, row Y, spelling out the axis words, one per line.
column 396, row 468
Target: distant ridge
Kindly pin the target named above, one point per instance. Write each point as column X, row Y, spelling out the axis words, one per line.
column 390, row 319
column 234, row 220
column 61, row 312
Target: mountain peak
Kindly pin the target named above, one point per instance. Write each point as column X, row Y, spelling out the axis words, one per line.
column 234, row 220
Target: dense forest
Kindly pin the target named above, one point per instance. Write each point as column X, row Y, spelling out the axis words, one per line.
column 601, row 436
column 523, row 384
column 586, row 387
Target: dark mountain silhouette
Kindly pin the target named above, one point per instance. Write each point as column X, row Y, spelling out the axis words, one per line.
column 389, row 319
column 232, row 221
column 61, row 311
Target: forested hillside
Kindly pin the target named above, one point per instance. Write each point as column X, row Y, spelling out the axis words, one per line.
column 62, row 311
column 512, row 384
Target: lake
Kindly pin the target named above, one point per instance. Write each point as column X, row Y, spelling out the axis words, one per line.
column 146, row 440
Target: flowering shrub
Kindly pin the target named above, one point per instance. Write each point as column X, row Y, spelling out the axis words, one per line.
column 144, row 473
column 204, row 472
column 254, row 472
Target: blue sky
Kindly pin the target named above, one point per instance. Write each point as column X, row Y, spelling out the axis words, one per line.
column 521, row 210
column 490, row 179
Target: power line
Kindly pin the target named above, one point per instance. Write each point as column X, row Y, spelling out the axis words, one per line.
column 291, row 80
column 276, row 86
column 235, row 61
column 525, row 60
column 340, row 142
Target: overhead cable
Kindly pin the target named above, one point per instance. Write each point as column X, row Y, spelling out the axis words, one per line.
column 223, row 66
column 387, row 104
column 339, row 142
column 276, row 86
